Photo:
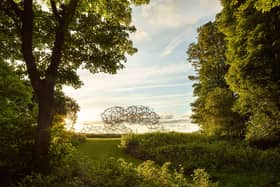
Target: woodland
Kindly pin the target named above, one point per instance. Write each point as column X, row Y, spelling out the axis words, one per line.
column 236, row 86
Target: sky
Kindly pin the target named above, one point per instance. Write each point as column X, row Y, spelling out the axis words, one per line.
column 157, row 75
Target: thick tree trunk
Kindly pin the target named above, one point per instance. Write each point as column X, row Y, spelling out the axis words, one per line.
column 44, row 89
column 45, row 117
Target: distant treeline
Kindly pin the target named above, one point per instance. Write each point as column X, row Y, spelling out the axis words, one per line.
column 92, row 135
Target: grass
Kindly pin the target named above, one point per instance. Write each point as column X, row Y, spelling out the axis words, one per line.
column 230, row 162
column 99, row 149
column 248, row 179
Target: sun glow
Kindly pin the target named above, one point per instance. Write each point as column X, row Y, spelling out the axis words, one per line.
column 90, row 114
column 77, row 127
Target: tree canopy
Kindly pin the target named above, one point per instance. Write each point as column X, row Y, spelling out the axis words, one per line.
column 253, row 56
column 238, row 74
column 212, row 109
column 53, row 38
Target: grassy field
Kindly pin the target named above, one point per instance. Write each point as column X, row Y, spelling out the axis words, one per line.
column 99, row 149
column 227, row 170
column 230, row 162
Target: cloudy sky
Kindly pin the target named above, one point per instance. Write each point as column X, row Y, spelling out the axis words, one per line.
column 156, row 76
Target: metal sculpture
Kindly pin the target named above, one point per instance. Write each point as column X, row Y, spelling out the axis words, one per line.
column 116, row 117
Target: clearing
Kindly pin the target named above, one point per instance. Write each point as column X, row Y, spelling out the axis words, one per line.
column 99, row 149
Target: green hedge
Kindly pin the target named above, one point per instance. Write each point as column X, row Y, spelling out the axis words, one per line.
column 198, row 151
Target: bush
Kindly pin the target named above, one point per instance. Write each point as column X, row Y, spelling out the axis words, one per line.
column 151, row 140
column 16, row 151
column 110, row 173
column 195, row 151
column 202, row 179
column 77, row 138
column 72, row 172
column 161, row 176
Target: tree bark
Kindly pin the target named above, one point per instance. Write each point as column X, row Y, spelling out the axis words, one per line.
column 45, row 117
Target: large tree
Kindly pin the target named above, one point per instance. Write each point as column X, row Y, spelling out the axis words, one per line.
column 252, row 32
column 212, row 109
column 56, row 37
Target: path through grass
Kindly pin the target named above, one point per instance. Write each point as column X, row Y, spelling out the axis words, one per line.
column 99, row 149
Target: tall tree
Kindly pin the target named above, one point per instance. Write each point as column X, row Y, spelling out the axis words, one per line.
column 252, row 32
column 212, row 109
column 56, row 37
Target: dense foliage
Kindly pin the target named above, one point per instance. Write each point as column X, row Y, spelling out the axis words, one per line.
column 253, row 56
column 219, row 157
column 115, row 173
column 212, row 109
column 17, row 124
column 238, row 74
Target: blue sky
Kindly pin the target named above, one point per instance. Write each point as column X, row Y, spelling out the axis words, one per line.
column 156, row 76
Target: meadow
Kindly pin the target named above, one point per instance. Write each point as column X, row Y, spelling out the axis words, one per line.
column 228, row 162
column 99, row 149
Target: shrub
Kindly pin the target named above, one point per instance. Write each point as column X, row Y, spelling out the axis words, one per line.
column 202, row 179
column 161, row 176
column 74, row 171
column 16, row 151
column 194, row 151
column 77, row 138
column 110, row 173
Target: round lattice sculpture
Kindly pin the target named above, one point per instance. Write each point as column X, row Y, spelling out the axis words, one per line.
column 116, row 116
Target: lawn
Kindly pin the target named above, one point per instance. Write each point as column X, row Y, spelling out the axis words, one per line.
column 99, row 149
column 230, row 162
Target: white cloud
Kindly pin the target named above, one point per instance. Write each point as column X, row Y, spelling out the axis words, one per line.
column 136, row 99
column 165, row 13
column 175, row 13
column 140, row 35
column 149, row 86
column 162, row 23
column 128, row 78
column 92, row 106
column 103, row 90
column 166, row 116
column 175, row 42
